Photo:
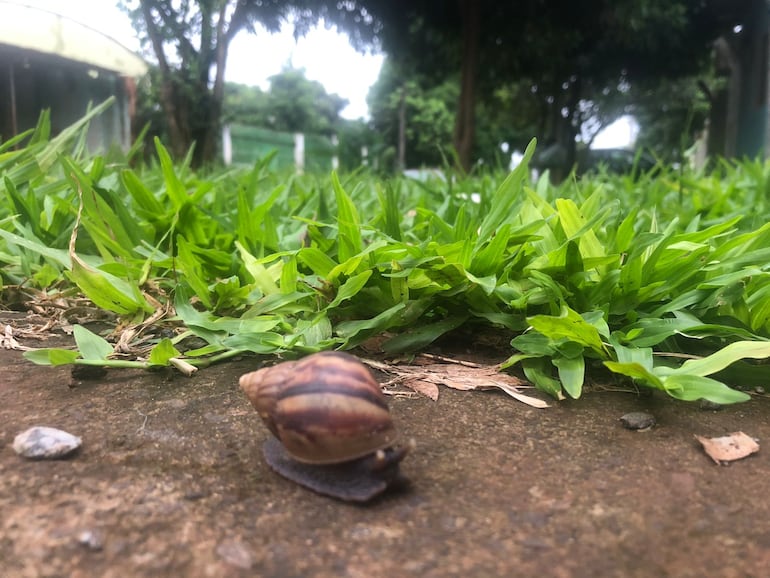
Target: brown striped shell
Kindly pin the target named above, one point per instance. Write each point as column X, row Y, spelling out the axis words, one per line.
column 325, row 408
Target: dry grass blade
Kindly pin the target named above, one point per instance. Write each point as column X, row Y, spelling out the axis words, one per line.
column 526, row 399
column 125, row 343
column 445, row 359
column 186, row 368
column 8, row 341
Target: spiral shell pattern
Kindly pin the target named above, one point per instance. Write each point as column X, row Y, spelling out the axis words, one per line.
column 325, row 408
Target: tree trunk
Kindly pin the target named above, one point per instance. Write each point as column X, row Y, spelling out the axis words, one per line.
column 172, row 106
column 465, row 121
column 169, row 93
column 191, row 105
column 558, row 153
column 209, row 144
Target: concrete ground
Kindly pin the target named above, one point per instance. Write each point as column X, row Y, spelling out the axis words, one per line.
column 170, row 481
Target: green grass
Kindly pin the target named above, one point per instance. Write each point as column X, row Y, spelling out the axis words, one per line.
column 624, row 273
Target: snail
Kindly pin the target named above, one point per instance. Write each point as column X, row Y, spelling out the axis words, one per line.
column 332, row 428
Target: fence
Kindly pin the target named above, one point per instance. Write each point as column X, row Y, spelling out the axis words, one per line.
column 242, row 144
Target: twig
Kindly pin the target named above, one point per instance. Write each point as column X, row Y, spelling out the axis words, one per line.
column 450, row 360
column 140, row 429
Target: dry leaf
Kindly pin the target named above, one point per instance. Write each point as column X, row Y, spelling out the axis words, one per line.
column 426, row 388
column 730, row 447
column 461, row 375
column 8, row 340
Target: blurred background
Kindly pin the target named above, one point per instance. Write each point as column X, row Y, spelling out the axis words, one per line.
column 397, row 85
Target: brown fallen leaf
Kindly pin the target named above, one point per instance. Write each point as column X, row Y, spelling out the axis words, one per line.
column 464, row 376
column 426, row 388
column 729, row 448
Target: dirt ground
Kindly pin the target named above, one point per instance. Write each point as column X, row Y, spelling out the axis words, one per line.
column 170, row 481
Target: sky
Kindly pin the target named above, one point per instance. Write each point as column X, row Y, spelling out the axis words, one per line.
column 618, row 134
column 326, row 56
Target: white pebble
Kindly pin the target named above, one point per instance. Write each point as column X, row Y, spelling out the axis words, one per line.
column 91, row 539
column 45, row 443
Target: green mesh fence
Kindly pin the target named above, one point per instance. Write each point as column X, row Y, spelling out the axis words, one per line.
column 318, row 153
column 251, row 143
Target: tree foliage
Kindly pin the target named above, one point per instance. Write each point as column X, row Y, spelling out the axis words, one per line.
column 245, row 104
column 189, row 40
column 293, row 103
column 578, row 58
column 299, row 104
column 357, row 143
column 605, row 49
column 670, row 115
column 429, row 113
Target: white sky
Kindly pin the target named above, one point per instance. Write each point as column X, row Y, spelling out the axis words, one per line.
column 619, row 134
column 325, row 55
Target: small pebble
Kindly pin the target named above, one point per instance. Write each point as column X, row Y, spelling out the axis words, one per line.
column 91, row 539
column 235, row 553
column 638, row 420
column 45, row 443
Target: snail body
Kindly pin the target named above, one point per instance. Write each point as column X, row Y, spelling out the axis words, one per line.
column 332, row 426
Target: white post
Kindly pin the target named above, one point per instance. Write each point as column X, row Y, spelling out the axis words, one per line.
column 365, row 156
column 335, row 157
column 227, row 145
column 299, row 152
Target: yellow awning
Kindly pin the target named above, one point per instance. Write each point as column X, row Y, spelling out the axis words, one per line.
column 43, row 31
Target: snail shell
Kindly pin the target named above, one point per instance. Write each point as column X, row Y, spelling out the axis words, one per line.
column 326, row 408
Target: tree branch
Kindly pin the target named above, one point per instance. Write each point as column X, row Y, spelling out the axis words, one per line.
column 206, row 49
column 179, row 32
column 238, row 21
column 154, row 34
column 221, row 45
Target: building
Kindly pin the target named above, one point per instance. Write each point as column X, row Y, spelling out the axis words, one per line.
column 48, row 61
